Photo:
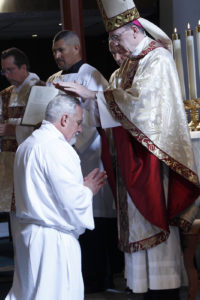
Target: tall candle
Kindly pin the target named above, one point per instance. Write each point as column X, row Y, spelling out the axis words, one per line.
column 178, row 60
column 191, row 63
column 198, row 44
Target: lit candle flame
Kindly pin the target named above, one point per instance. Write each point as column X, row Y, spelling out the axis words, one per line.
column 188, row 26
column 175, row 29
column 199, row 23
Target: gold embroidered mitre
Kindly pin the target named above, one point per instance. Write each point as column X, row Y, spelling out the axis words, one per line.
column 117, row 13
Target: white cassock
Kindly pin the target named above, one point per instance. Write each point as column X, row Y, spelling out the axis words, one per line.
column 53, row 208
column 88, row 142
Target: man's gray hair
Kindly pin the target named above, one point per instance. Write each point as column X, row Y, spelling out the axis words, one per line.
column 60, row 105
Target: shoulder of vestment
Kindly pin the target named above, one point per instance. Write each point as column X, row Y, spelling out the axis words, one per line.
column 7, row 90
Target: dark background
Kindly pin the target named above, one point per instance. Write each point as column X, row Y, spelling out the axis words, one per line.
column 39, row 51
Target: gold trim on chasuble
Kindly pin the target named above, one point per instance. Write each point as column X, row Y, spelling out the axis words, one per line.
column 5, row 95
column 144, row 244
column 9, row 145
column 146, row 142
column 162, row 236
column 119, row 20
column 123, row 223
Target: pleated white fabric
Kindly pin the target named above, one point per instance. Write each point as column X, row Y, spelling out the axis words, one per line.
column 48, row 265
column 88, row 142
column 157, row 268
column 52, row 208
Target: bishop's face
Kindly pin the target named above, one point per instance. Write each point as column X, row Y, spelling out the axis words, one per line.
column 125, row 38
column 118, row 53
column 65, row 54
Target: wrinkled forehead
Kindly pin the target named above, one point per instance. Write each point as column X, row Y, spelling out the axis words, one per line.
column 116, row 32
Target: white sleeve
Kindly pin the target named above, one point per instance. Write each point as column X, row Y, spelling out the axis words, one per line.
column 106, row 119
column 73, row 199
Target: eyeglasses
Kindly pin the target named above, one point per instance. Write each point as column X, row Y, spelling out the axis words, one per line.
column 8, row 71
column 116, row 37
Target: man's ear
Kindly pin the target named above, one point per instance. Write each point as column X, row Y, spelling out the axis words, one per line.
column 77, row 48
column 24, row 67
column 64, row 120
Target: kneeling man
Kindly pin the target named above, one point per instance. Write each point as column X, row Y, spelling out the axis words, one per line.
column 53, row 207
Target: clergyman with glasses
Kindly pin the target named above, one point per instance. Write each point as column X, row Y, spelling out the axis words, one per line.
column 15, row 67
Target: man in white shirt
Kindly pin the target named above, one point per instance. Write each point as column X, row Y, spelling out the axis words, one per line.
column 53, row 207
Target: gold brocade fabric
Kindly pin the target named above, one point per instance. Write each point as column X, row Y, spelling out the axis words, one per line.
column 151, row 108
column 118, row 20
column 144, row 96
column 57, row 76
column 12, row 105
column 9, row 145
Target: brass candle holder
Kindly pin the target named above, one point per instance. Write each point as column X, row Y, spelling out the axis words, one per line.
column 191, row 107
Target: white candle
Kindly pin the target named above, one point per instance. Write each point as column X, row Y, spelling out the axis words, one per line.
column 178, row 60
column 198, row 44
column 191, row 63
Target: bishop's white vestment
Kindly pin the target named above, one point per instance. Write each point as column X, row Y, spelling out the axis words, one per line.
column 88, row 142
column 143, row 103
column 53, row 208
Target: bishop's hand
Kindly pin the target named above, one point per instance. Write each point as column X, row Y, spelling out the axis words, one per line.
column 75, row 89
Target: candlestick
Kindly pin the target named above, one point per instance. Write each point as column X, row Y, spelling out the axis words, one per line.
column 178, row 60
column 191, row 63
column 198, row 44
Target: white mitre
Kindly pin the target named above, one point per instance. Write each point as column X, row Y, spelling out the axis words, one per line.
column 117, row 13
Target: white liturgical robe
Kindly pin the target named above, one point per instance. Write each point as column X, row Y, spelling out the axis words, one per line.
column 88, row 142
column 150, row 102
column 52, row 208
